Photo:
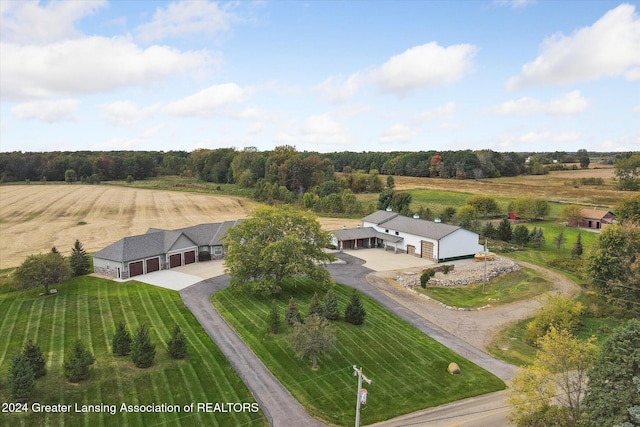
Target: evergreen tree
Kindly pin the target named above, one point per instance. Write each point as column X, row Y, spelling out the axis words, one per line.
column 291, row 314
column 76, row 365
column 314, row 337
column 35, row 357
column 21, row 379
column 537, row 237
column 177, row 345
column 489, row 231
column 578, row 249
column 521, row 235
column 143, row 351
column 331, row 309
column 121, row 340
column 79, row 260
column 559, row 240
column 504, row 232
column 354, row 312
column 315, row 307
column 274, row 319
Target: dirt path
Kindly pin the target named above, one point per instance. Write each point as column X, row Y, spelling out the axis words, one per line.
column 478, row 328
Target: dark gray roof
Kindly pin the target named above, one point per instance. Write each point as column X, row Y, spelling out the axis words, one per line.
column 135, row 247
column 157, row 241
column 379, row 217
column 363, row 233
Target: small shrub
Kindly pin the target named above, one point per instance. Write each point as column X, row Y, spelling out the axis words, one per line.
column 130, row 179
column 292, row 314
column 446, row 269
column 331, row 309
column 177, row 345
column 76, row 366
column 354, row 312
column 121, row 340
column 426, row 276
column 143, row 351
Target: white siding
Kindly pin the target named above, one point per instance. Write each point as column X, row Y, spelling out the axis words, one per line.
column 459, row 243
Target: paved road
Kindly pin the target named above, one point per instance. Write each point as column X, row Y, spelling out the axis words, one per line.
column 353, row 274
column 280, row 408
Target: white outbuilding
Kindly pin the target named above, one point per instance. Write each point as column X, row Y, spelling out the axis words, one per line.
column 425, row 239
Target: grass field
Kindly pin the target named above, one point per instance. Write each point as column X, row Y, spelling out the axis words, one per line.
column 88, row 308
column 504, row 289
column 408, row 369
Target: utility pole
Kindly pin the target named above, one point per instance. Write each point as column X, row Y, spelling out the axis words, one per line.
column 357, row 372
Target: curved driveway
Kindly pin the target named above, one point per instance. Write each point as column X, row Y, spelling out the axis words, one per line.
column 280, row 408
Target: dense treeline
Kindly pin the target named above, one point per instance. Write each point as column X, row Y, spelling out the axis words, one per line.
column 284, row 166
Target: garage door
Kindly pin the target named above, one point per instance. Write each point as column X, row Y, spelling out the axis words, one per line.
column 190, row 257
column 426, row 250
column 175, row 260
column 153, row 264
column 135, row 269
column 411, row 250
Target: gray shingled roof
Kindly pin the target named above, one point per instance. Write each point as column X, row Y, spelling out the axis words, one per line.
column 379, row 217
column 134, row 247
column 420, row 227
column 363, row 233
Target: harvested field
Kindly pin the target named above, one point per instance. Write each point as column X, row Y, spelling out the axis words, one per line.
column 33, row 218
column 557, row 186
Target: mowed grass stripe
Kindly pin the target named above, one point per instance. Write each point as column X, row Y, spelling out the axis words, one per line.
column 88, row 307
column 8, row 326
column 408, row 368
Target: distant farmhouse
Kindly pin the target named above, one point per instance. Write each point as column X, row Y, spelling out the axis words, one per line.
column 161, row 249
column 595, row 219
column 425, row 239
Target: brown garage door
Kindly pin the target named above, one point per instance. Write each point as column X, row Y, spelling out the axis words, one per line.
column 190, row 257
column 135, row 269
column 175, row 260
column 426, row 250
column 411, row 250
column 153, row 264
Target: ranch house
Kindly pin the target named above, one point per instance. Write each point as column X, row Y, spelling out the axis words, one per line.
column 595, row 218
column 425, row 239
column 160, row 250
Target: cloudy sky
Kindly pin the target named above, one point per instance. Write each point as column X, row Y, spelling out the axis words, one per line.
column 508, row 75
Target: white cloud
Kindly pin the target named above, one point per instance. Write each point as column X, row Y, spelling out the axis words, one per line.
column 46, row 111
column 188, row 17
column 514, row 4
column 125, row 113
column 208, row 100
column 423, row 66
column 439, row 113
column 31, row 22
column 636, row 109
column 88, row 65
column 397, row 133
column 610, row 47
column 543, row 140
column 324, row 129
column 419, row 67
column 568, row 103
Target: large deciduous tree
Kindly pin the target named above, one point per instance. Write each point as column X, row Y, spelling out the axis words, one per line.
column 629, row 209
column 627, row 170
column 312, row 338
column 614, row 265
column 612, row 390
column 42, row 269
column 274, row 244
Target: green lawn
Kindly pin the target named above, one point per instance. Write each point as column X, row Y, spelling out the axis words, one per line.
column 88, row 308
column 408, row 368
column 504, row 289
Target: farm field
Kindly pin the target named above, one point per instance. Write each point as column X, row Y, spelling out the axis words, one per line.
column 408, row 368
column 33, row 218
column 89, row 308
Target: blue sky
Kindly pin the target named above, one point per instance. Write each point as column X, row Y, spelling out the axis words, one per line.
column 517, row 75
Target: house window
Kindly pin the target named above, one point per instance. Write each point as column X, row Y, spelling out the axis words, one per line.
column 217, row 250
column 386, row 231
column 397, row 234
